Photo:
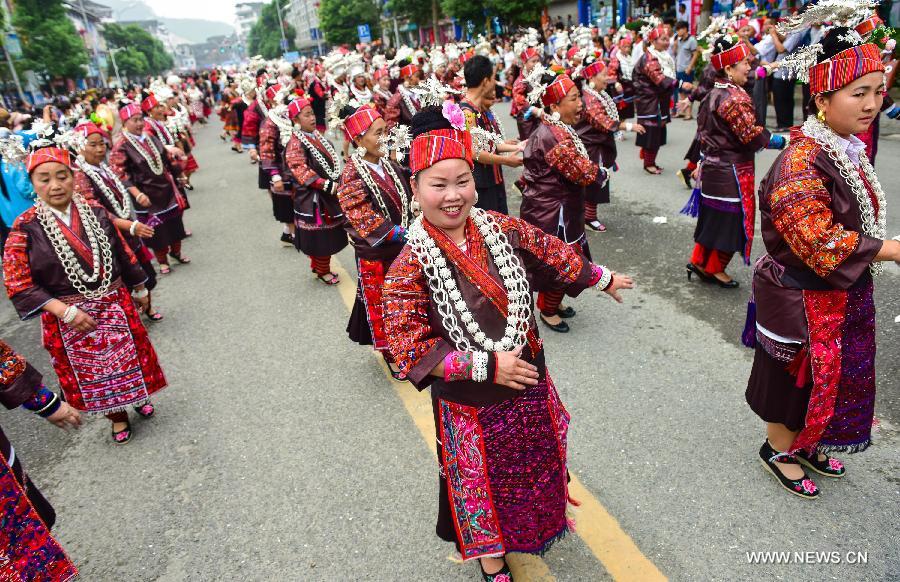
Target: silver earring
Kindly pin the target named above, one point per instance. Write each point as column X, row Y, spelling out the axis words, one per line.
column 414, row 206
column 476, row 197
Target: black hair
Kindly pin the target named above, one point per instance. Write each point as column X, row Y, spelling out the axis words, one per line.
column 347, row 111
column 681, row 24
column 477, row 69
column 720, row 46
column 428, row 119
column 832, row 43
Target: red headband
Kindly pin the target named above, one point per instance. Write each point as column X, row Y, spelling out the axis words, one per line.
column 408, row 71
column 845, row 67
column 557, row 90
column 732, row 56
column 742, row 23
column 440, row 144
column 296, row 106
column 572, row 52
column 49, row 154
column 89, row 129
column 129, row 111
column 149, row 103
column 359, row 123
column 625, row 41
column 593, row 69
column 381, row 73
column 868, row 25
column 656, row 33
column 529, row 54
column 272, row 91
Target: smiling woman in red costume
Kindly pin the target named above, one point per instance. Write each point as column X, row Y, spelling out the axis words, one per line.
column 824, row 226
column 66, row 262
column 458, row 318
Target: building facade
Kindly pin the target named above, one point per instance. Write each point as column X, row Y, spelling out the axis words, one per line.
column 247, row 13
column 303, row 15
column 88, row 17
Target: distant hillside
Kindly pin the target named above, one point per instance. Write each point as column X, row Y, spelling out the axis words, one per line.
column 194, row 30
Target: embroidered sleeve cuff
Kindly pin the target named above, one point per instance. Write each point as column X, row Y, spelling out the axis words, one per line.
column 44, row 403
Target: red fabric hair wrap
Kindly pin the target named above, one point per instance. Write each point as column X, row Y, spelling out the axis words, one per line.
column 557, row 90
column 844, row 68
column 49, row 154
column 440, row 144
column 729, row 57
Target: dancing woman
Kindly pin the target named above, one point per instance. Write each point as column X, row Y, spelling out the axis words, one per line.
column 315, row 171
column 141, row 163
column 597, row 129
column 374, row 195
column 95, row 180
column 458, row 318
column 729, row 139
column 823, row 223
column 67, row 262
column 557, row 169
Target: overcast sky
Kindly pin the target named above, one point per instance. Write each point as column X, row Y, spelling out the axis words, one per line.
column 222, row 10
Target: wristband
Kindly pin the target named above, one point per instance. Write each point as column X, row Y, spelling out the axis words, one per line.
column 44, row 402
column 69, row 314
column 132, row 228
column 276, row 177
column 628, row 126
column 479, row 366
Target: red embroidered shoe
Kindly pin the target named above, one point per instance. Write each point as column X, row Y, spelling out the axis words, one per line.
column 123, row 436
column 829, row 467
column 146, row 410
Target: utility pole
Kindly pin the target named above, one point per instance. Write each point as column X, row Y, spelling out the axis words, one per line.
column 94, row 52
column 284, row 43
column 112, row 55
column 12, row 71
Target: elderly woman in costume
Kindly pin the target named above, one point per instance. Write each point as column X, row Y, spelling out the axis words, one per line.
column 597, row 129
column 404, row 103
column 729, row 139
column 66, row 262
column 374, row 195
column 654, row 84
column 26, row 517
column 823, row 223
column 95, row 180
column 273, row 173
column 458, row 318
column 141, row 162
column 315, row 171
column 558, row 167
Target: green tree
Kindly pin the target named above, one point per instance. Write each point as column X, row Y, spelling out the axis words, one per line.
column 517, row 12
column 50, row 44
column 265, row 36
column 131, row 63
column 339, row 19
column 137, row 41
column 466, row 10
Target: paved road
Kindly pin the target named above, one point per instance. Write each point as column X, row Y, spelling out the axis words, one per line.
column 281, row 452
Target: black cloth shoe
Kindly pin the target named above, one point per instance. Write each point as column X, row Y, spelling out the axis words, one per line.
column 561, row 327
column 830, row 467
column 287, row 238
column 802, row 487
column 503, row 575
column 685, row 176
column 566, row 313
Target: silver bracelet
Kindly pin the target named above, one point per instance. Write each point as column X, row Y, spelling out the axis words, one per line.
column 133, row 227
column 141, row 294
column 605, row 278
column 479, row 366
column 69, row 314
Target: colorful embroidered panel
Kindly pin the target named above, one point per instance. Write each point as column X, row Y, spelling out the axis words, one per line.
column 28, row 553
column 464, row 462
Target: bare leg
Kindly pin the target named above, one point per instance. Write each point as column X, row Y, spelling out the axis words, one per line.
column 781, row 438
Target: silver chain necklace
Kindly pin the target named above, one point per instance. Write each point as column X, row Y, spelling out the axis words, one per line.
column 362, row 169
column 126, row 208
column 608, row 104
column 333, row 172
column 404, row 94
column 872, row 225
column 165, row 136
column 155, row 162
column 579, row 145
column 448, row 298
column 101, row 251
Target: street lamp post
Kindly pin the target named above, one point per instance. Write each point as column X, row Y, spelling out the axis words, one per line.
column 284, row 43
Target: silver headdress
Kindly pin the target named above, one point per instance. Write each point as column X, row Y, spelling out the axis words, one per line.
column 433, row 92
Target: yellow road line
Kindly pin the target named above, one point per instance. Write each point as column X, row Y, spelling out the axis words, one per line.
column 600, row 531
